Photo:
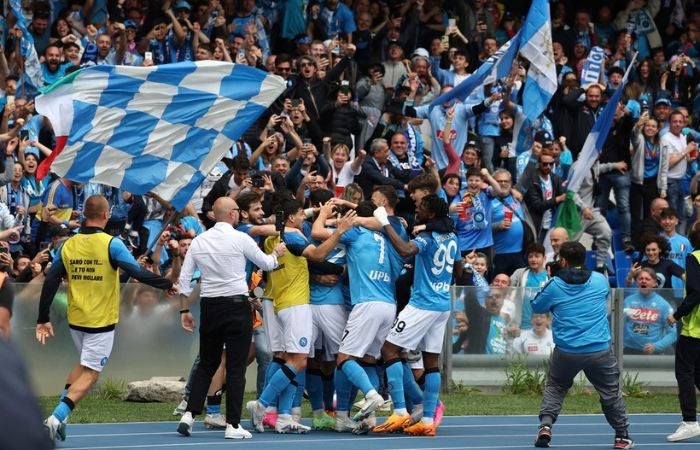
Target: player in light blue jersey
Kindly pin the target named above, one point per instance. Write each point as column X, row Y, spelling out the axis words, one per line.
column 372, row 296
column 328, row 317
column 421, row 325
column 679, row 245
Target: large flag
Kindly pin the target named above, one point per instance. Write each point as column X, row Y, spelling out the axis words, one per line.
column 157, row 129
column 497, row 67
column 568, row 216
column 32, row 78
column 536, row 46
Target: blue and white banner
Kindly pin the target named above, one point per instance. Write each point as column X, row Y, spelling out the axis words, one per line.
column 32, row 79
column 596, row 138
column 496, row 67
column 592, row 71
column 536, row 46
column 157, row 129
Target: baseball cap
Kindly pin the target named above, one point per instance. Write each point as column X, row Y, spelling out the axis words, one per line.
column 662, row 101
column 130, row 24
column 392, row 43
column 473, row 145
column 182, row 4
column 544, row 137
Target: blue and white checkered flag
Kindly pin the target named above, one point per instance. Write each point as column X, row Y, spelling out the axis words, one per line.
column 157, row 129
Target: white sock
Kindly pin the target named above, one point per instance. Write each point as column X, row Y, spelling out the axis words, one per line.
column 400, row 411
column 427, row 420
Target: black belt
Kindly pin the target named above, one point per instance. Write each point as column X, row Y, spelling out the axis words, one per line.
column 229, row 298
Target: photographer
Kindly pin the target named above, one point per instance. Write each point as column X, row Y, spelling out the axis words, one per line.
column 577, row 300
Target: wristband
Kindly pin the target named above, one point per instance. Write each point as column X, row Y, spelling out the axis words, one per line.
column 184, row 311
column 66, row 223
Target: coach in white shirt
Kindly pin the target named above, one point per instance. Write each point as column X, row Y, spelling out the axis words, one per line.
column 220, row 253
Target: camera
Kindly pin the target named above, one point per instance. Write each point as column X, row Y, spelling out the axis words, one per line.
column 23, row 135
column 256, row 179
column 296, row 102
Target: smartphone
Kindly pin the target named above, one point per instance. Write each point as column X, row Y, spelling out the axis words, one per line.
column 279, row 224
column 148, row 55
column 10, row 99
column 306, row 141
column 345, row 87
column 445, row 39
column 3, row 249
column 44, row 246
column 23, row 134
column 452, row 22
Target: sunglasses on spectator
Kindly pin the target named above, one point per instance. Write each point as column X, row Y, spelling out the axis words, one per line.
column 306, row 64
column 284, row 69
column 548, row 163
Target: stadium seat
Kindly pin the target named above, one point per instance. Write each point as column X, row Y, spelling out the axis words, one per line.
column 624, row 259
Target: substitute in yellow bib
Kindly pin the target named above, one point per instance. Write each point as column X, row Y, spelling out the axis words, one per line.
column 688, row 345
column 90, row 263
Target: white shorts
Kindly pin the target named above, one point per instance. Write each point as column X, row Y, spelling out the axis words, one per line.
column 328, row 325
column 272, row 326
column 419, row 329
column 367, row 327
column 297, row 329
column 94, row 348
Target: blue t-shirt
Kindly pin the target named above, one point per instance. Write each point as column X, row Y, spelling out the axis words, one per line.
column 320, row 293
column 652, row 158
column 369, row 266
column 397, row 261
column 496, row 342
column 511, row 239
column 475, row 232
column 249, row 266
column 679, row 249
column 433, row 273
column 535, row 282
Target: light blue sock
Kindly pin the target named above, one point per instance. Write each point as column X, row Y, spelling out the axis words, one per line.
column 272, row 368
column 342, row 391
column 394, row 375
column 213, row 409
column 287, row 399
column 301, row 383
column 371, row 371
column 411, row 390
column 278, row 382
column 62, row 411
column 357, row 375
column 314, row 386
column 431, row 392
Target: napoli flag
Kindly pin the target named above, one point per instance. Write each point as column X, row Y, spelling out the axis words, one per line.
column 536, row 46
column 157, row 129
column 497, row 67
column 568, row 216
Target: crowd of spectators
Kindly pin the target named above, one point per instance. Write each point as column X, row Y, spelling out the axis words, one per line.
column 355, row 116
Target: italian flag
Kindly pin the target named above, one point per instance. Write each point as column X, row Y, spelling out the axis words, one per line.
column 56, row 103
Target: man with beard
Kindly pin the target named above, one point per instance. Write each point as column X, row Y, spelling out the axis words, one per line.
column 52, row 69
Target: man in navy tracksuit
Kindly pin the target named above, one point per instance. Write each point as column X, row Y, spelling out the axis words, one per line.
column 576, row 298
